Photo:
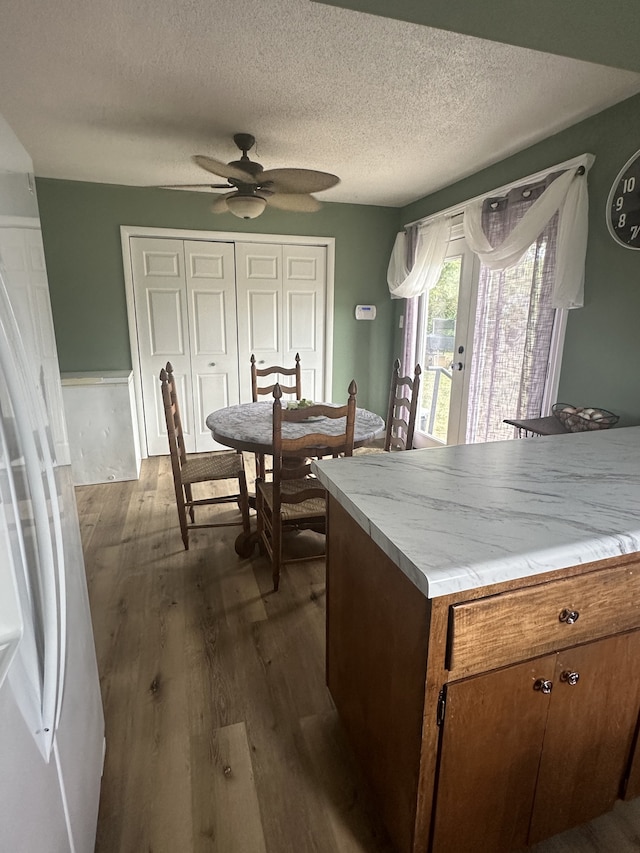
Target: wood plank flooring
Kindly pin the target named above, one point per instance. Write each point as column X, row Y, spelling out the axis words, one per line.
column 221, row 734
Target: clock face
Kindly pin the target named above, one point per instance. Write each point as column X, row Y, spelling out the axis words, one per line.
column 623, row 205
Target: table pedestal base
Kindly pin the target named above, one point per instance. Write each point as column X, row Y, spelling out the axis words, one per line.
column 245, row 543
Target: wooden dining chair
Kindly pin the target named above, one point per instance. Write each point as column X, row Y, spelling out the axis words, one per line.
column 295, row 387
column 257, row 373
column 199, row 468
column 295, row 499
column 404, row 396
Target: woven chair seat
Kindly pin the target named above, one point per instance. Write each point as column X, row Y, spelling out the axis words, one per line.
column 295, row 511
column 367, row 451
column 219, row 465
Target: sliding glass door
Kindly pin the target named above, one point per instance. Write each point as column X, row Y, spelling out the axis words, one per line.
column 489, row 345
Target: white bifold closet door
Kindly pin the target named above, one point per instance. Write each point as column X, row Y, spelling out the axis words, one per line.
column 206, row 306
column 281, row 311
column 185, row 302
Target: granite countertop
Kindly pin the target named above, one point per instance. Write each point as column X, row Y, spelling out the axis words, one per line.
column 456, row 518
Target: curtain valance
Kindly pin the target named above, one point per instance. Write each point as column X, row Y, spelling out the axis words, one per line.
column 405, row 280
column 567, row 196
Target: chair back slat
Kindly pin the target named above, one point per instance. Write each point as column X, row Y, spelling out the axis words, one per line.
column 314, row 444
column 404, row 395
column 275, row 370
column 172, row 411
column 172, row 419
column 294, row 499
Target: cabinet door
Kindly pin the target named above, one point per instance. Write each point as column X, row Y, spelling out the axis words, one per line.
column 211, row 297
column 589, row 734
column 491, row 741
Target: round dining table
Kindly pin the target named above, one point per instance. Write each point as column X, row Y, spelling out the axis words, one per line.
column 249, row 427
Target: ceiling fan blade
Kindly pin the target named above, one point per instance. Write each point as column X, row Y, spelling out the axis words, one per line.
column 195, row 187
column 224, row 170
column 300, row 202
column 220, row 204
column 299, row 180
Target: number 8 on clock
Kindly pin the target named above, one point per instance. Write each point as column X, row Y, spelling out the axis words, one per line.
column 623, row 205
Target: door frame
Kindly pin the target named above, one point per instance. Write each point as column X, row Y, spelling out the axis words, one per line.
column 467, row 300
column 128, row 231
column 554, row 359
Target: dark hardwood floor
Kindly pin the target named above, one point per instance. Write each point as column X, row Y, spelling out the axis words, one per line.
column 221, row 734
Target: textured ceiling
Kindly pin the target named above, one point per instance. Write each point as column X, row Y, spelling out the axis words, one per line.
column 125, row 93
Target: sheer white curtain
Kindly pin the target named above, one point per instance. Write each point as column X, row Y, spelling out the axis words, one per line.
column 406, row 279
column 414, row 268
column 515, row 313
column 565, row 196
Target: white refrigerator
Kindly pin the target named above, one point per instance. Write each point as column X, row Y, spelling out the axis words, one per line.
column 51, row 720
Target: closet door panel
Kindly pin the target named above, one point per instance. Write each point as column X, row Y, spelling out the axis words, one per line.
column 304, row 290
column 211, row 297
column 264, row 334
column 163, row 333
column 259, row 289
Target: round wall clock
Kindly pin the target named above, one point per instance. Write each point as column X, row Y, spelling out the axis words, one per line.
column 623, row 205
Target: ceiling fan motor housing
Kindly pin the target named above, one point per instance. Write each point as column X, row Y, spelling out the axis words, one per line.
column 247, row 165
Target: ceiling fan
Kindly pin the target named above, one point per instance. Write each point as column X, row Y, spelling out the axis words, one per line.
column 253, row 188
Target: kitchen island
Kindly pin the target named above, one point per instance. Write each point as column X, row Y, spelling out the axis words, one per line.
column 483, row 642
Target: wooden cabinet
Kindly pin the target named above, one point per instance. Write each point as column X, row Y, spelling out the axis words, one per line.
column 519, row 764
column 503, row 715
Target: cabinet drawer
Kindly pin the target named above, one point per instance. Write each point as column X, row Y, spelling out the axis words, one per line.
column 525, row 623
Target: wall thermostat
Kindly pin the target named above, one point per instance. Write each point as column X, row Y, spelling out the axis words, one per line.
column 365, row 312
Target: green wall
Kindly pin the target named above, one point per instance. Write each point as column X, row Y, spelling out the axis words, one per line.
column 601, row 360
column 81, row 232
column 602, row 350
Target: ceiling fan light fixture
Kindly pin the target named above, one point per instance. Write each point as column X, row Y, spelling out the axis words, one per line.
column 246, row 206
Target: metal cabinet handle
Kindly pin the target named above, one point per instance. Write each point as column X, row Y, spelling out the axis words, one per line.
column 543, row 685
column 569, row 616
column 570, row 677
